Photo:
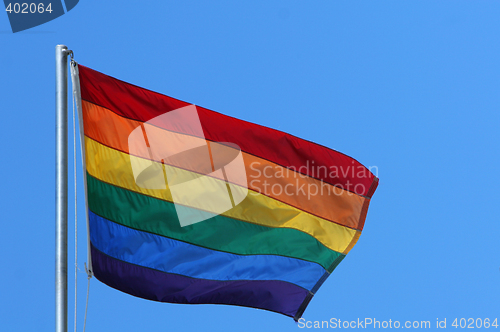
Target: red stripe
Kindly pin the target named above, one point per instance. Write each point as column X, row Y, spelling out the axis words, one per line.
column 289, row 151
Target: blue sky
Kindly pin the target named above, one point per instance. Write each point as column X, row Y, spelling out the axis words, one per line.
column 411, row 87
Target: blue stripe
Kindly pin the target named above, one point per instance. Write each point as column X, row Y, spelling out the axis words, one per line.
column 172, row 256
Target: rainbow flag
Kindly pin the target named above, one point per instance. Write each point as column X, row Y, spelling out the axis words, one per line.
column 187, row 205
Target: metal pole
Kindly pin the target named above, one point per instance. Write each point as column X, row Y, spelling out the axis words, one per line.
column 61, row 188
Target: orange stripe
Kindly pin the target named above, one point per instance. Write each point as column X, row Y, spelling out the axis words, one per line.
column 303, row 192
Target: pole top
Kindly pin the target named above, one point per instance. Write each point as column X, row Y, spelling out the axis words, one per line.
column 64, row 50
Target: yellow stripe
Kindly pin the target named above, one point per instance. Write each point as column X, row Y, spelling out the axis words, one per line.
column 353, row 242
column 114, row 167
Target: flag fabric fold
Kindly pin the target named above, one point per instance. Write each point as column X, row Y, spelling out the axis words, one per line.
column 187, row 205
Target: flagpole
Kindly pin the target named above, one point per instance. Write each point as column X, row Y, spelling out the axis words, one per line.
column 61, row 188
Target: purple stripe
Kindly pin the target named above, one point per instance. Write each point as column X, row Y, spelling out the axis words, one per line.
column 273, row 295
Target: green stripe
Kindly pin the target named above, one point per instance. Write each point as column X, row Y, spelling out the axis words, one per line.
column 219, row 233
